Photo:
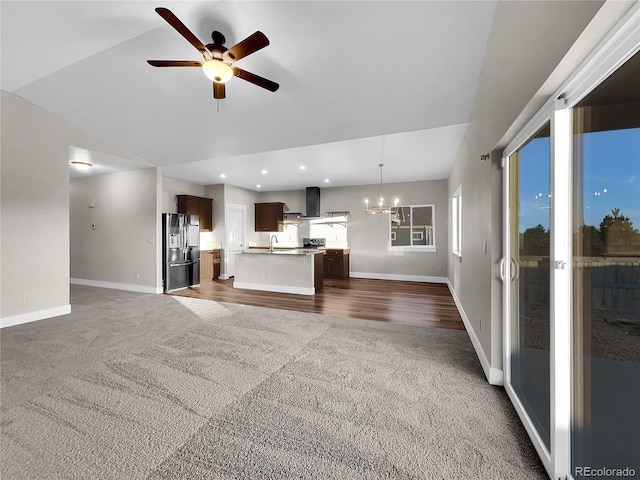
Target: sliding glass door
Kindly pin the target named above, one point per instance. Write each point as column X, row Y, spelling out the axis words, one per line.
column 530, row 234
column 571, row 268
column 606, row 277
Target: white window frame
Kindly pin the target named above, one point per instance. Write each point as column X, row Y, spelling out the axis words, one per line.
column 414, row 248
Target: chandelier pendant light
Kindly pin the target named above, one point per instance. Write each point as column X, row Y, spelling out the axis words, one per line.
column 380, row 207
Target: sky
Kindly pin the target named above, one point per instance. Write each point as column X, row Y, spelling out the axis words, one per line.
column 611, row 176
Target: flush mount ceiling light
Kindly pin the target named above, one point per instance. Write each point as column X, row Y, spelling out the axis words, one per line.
column 380, row 207
column 81, row 165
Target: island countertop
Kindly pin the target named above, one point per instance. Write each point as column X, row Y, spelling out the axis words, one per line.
column 292, row 251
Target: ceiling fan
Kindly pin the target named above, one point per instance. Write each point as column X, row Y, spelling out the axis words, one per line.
column 218, row 60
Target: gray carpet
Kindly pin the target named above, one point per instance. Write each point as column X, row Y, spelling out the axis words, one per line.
column 134, row 386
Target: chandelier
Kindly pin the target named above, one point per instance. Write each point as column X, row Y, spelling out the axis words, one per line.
column 380, row 207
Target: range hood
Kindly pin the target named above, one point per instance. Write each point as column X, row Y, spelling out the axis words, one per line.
column 313, row 203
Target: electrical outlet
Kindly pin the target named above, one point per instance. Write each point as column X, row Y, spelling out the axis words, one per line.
column 27, row 299
column 480, row 320
column 137, row 276
column 484, row 247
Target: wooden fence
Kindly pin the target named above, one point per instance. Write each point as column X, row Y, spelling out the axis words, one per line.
column 615, row 281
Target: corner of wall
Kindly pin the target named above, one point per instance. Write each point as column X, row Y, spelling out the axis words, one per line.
column 494, row 376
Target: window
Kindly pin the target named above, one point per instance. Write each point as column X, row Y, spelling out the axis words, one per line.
column 456, row 222
column 412, row 228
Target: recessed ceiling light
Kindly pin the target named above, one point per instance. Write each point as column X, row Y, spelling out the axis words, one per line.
column 326, row 180
column 302, row 167
column 81, row 165
column 264, row 171
column 258, row 186
column 222, row 175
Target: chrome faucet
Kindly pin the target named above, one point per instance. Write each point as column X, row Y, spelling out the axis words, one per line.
column 273, row 237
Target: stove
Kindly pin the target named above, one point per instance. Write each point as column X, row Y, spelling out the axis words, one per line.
column 313, row 242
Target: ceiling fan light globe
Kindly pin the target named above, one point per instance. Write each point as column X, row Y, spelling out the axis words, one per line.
column 217, row 71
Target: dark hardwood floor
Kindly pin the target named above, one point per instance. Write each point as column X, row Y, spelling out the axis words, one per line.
column 409, row 303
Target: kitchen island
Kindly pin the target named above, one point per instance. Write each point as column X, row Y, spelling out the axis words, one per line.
column 296, row 271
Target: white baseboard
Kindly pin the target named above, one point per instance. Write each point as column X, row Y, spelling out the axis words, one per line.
column 393, row 276
column 495, row 376
column 275, row 288
column 117, row 286
column 34, row 316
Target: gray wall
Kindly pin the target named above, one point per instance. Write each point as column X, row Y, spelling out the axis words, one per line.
column 122, row 251
column 515, row 52
column 217, row 193
column 172, row 187
column 242, row 196
column 367, row 234
column 35, row 209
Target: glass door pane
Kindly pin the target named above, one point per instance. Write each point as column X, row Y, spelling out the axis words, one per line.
column 606, row 277
column 529, row 318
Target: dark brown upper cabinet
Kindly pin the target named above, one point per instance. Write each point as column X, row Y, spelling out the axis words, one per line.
column 201, row 206
column 269, row 217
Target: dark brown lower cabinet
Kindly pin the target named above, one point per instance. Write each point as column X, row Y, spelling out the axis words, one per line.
column 216, row 263
column 318, row 272
column 336, row 263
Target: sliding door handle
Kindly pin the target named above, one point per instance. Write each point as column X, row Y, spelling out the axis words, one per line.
column 515, row 271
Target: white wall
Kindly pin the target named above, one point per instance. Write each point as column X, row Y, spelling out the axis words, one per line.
column 122, row 251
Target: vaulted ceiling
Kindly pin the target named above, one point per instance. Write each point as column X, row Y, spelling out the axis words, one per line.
column 361, row 83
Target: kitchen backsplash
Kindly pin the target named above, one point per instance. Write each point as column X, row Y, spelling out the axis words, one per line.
column 208, row 242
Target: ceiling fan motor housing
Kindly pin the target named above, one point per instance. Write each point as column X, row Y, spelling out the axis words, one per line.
column 217, row 48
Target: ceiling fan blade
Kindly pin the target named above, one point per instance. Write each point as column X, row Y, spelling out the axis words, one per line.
column 218, row 90
column 251, row 44
column 174, row 63
column 183, row 30
column 255, row 79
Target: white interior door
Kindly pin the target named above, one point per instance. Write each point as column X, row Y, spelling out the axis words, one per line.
column 236, row 236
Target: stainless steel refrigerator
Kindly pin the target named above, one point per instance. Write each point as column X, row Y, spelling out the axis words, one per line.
column 181, row 251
